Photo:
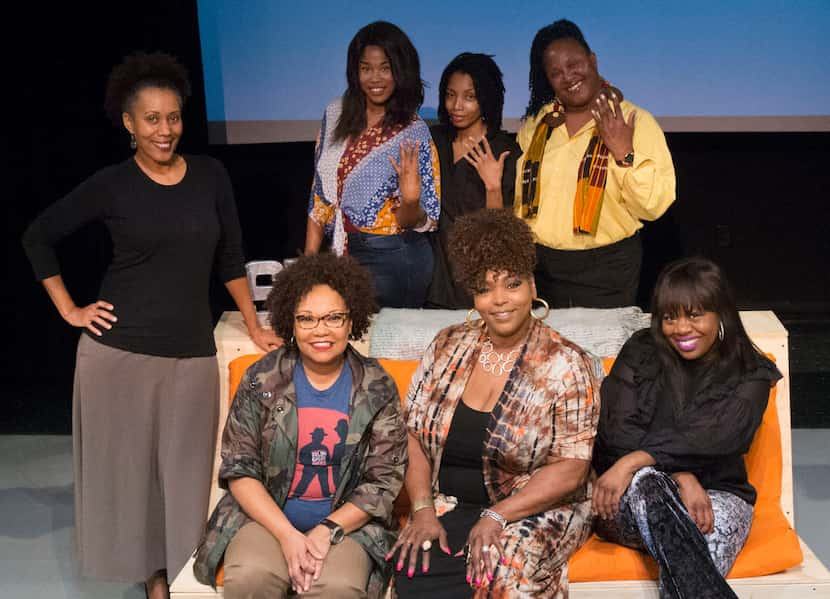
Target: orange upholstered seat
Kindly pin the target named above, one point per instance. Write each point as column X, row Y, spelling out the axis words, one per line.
column 772, row 545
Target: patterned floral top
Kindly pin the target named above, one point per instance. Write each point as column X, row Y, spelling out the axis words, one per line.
column 549, row 409
column 355, row 187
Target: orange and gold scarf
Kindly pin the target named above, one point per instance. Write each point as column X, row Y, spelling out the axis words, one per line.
column 591, row 176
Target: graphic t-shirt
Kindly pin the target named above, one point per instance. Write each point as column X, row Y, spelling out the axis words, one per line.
column 323, row 424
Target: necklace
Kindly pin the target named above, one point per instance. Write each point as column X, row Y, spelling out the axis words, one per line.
column 494, row 362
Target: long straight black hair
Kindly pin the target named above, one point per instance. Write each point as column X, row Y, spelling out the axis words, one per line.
column 699, row 284
column 406, row 70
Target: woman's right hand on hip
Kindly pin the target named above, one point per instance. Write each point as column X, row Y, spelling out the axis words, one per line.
column 417, row 538
column 97, row 313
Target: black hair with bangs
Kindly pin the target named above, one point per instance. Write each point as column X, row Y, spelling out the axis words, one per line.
column 699, row 284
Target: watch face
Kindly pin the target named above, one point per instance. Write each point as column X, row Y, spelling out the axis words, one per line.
column 337, row 535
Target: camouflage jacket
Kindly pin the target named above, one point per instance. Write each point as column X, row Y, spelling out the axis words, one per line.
column 260, row 441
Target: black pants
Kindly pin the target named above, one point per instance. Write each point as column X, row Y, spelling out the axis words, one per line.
column 604, row 277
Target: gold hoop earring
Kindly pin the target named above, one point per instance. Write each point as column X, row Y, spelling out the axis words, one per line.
column 469, row 320
column 544, row 303
column 720, row 331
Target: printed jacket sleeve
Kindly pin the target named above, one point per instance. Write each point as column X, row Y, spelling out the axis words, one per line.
column 320, row 211
column 385, row 461
column 241, row 440
column 576, row 410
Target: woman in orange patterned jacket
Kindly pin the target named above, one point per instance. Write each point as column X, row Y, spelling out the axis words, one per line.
column 502, row 414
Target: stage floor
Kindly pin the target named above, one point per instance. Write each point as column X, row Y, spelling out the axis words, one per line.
column 37, row 558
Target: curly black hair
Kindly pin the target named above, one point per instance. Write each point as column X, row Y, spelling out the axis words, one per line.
column 487, row 81
column 490, row 239
column 541, row 92
column 342, row 273
column 406, row 69
column 139, row 71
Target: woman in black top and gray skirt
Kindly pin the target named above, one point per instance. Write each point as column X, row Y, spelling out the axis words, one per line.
column 477, row 158
column 679, row 410
column 145, row 403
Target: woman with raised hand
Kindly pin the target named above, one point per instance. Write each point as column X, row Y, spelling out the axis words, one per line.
column 477, row 158
column 680, row 408
column 501, row 415
column 145, row 402
column 314, row 450
column 376, row 186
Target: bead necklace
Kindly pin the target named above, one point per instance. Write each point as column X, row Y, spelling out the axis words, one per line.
column 494, row 362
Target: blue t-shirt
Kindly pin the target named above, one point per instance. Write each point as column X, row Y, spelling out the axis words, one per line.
column 322, row 425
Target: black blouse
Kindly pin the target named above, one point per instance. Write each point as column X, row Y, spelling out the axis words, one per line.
column 462, row 192
column 167, row 239
column 707, row 434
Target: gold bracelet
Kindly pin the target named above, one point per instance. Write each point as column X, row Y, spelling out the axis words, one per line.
column 421, row 505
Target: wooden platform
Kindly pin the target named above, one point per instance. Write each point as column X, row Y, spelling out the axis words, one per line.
column 810, row 579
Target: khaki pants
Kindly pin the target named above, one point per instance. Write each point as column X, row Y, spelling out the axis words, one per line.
column 255, row 568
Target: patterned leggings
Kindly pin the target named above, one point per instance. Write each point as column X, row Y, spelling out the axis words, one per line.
column 692, row 565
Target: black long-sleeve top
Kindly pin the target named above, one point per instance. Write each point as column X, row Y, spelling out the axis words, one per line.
column 166, row 241
column 462, row 192
column 707, row 434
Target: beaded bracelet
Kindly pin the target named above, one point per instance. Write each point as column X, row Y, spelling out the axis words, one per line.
column 486, row 513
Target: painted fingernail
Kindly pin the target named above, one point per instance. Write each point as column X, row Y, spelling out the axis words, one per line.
column 489, row 577
column 411, row 572
column 388, row 555
column 424, row 569
column 469, row 579
column 504, row 561
column 399, row 567
column 478, row 581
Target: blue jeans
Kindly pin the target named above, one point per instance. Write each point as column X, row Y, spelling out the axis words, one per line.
column 401, row 266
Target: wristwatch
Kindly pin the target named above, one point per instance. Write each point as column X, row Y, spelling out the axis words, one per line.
column 628, row 160
column 337, row 533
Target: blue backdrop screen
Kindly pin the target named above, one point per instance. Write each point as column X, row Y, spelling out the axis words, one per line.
column 272, row 66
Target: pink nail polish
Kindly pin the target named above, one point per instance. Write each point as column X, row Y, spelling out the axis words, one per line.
column 478, row 581
column 504, row 561
column 469, row 579
column 399, row 567
column 411, row 572
column 489, row 577
column 424, row 569
column 447, row 551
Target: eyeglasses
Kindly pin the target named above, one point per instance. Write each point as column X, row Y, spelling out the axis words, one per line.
column 332, row 320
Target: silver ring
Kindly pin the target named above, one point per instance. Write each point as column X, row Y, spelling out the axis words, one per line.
column 426, row 545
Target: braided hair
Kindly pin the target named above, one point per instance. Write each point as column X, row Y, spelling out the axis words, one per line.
column 541, row 92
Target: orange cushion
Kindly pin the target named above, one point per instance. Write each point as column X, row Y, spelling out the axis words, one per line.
column 772, row 544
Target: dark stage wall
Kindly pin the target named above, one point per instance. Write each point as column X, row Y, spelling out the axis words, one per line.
column 757, row 203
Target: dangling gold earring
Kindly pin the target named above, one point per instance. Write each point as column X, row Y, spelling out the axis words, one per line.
column 469, row 320
column 544, row 303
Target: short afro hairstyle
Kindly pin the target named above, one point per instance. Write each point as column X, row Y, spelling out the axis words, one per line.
column 490, row 239
column 342, row 273
column 487, row 81
column 139, row 71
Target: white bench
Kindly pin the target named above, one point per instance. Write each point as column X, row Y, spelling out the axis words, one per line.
column 808, row 580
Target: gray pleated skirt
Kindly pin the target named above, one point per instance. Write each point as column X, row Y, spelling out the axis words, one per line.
column 143, row 433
